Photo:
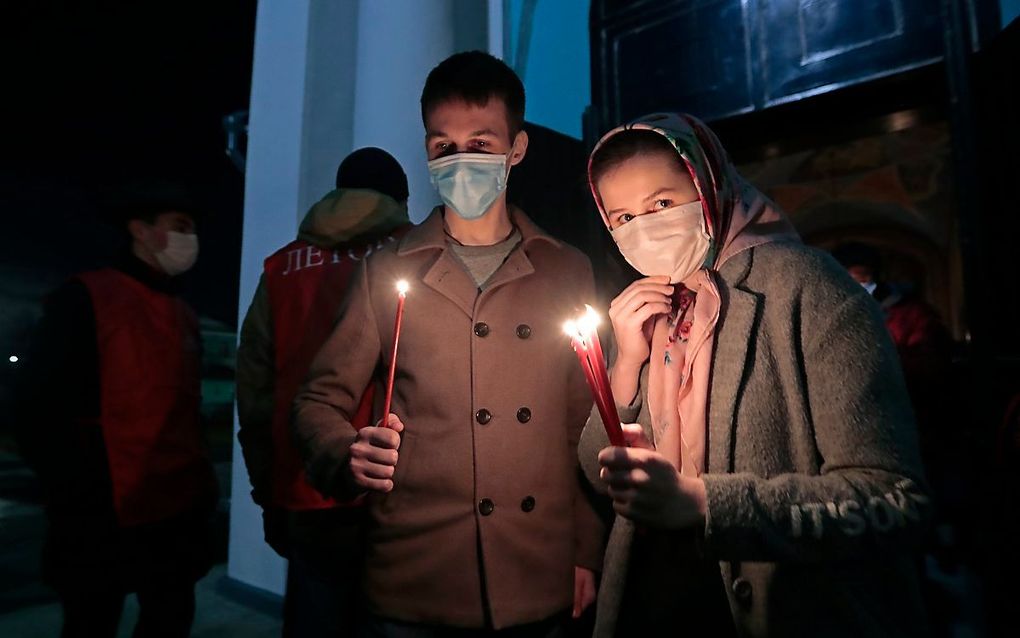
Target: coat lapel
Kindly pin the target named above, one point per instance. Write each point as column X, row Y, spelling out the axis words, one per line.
column 517, row 265
column 448, row 277
column 733, row 346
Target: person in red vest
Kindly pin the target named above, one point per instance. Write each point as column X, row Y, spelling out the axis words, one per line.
column 925, row 349
column 110, row 421
column 291, row 315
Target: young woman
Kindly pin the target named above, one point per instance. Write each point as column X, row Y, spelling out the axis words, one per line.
column 772, row 484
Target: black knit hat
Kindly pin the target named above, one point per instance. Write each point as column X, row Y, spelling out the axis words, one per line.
column 375, row 169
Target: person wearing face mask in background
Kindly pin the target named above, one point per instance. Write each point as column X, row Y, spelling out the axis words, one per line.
column 925, row 350
column 922, row 342
column 479, row 525
column 772, row 484
column 109, row 420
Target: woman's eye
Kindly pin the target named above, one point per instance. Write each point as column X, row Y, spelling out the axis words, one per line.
column 624, row 218
column 662, row 204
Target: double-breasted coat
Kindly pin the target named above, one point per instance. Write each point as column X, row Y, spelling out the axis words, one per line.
column 487, row 501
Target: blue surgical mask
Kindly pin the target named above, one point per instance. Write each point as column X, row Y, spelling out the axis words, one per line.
column 469, row 183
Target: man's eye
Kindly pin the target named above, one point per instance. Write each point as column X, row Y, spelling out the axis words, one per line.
column 442, row 146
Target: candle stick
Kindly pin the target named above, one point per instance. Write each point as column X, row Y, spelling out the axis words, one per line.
column 599, row 363
column 587, row 327
column 584, row 339
column 581, row 350
column 401, row 296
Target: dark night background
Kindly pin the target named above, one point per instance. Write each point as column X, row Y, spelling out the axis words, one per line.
column 99, row 93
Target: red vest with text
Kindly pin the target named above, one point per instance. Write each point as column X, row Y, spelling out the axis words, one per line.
column 149, row 380
column 306, row 285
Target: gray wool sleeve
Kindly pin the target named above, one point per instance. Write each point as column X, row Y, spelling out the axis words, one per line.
column 869, row 494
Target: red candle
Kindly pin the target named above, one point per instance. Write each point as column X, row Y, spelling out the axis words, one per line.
column 401, row 295
column 599, row 363
column 598, row 381
column 581, row 350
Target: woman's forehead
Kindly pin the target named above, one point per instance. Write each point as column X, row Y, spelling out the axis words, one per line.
column 644, row 174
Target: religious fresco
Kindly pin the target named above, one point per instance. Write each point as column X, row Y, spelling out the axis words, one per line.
column 892, row 190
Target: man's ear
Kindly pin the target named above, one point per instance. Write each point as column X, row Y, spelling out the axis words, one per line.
column 136, row 228
column 520, row 148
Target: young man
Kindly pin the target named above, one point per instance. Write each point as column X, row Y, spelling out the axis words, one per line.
column 292, row 313
column 110, row 422
column 478, row 521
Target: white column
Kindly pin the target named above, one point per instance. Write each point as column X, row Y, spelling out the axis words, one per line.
column 330, row 76
column 271, row 195
column 400, row 41
column 496, row 46
column 299, row 128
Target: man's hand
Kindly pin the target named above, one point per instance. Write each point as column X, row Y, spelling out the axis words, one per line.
column 584, row 590
column 374, row 456
column 647, row 489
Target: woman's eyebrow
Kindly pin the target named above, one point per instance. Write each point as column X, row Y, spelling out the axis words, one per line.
column 658, row 193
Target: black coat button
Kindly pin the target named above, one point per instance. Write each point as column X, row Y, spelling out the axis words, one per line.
column 742, row 590
column 528, row 503
column 482, row 329
column 524, row 415
column 485, row 506
column 524, row 331
column 483, row 416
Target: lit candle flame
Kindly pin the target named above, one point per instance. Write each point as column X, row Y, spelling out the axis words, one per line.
column 402, row 287
column 570, row 327
column 589, row 321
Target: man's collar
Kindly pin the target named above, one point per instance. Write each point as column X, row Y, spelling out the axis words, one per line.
column 431, row 235
column 131, row 265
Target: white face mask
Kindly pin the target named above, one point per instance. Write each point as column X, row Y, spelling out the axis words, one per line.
column 870, row 287
column 469, row 182
column 670, row 242
column 180, row 253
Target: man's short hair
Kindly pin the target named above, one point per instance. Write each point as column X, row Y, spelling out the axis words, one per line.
column 475, row 77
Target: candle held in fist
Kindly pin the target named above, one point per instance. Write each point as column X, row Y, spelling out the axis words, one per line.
column 402, row 288
column 584, row 337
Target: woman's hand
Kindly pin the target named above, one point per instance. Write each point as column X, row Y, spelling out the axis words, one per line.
column 630, row 313
column 647, row 489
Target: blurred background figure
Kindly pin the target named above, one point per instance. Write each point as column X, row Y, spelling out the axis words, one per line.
column 292, row 313
column 109, row 418
column 924, row 346
column 925, row 350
